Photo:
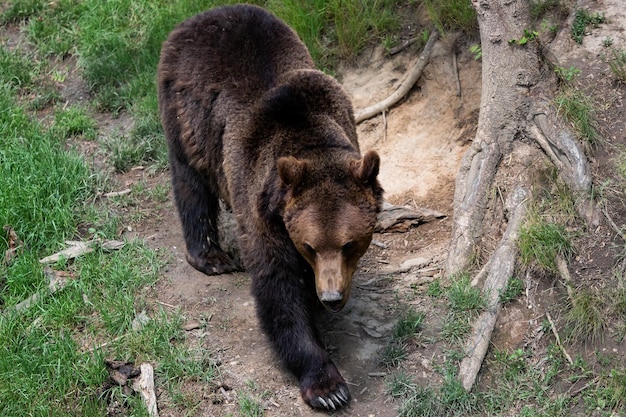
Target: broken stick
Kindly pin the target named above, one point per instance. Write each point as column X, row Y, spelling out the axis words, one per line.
column 144, row 384
column 78, row 248
column 405, row 86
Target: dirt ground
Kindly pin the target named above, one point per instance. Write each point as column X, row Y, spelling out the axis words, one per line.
column 421, row 142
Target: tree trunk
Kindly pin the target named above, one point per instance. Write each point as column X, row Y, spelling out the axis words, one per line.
column 518, row 132
column 517, row 127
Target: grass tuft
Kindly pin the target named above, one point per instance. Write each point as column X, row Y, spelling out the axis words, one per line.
column 453, row 15
column 540, row 242
column 74, row 121
column 576, row 107
column 407, row 327
column 450, row 399
column 617, row 63
column 463, row 297
column 585, row 317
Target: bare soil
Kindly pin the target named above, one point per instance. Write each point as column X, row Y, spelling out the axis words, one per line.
column 421, row 142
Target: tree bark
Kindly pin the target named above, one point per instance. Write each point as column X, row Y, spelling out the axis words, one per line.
column 508, row 73
column 517, row 121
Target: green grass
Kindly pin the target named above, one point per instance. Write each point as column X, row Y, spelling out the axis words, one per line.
column 582, row 20
column 541, row 7
column 448, row 399
column 406, row 328
column 514, row 288
column 574, row 105
column 586, row 317
column 40, row 182
column 453, row 15
column 541, row 241
column 463, row 297
column 74, row 121
column 61, row 341
column 617, row 63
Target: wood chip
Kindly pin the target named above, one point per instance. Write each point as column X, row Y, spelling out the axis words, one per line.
column 145, row 386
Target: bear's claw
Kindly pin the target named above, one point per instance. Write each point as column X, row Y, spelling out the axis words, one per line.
column 333, row 400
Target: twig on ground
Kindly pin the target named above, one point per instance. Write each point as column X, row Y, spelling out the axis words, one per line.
column 57, row 280
column 165, row 304
column 118, row 193
column 224, row 393
column 561, row 265
column 105, row 344
column 612, row 223
column 405, row 86
column 384, row 138
column 403, row 45
column 558, row 339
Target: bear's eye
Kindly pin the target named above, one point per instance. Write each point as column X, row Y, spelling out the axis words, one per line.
column 348, row 247
column 309, row 249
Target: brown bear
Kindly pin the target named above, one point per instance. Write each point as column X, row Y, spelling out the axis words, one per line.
column 251, row 122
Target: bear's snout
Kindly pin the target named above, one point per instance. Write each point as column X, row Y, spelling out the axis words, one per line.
column 332, row 300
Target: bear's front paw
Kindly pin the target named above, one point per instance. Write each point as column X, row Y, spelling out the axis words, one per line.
column 325, row 389
column 216, row 263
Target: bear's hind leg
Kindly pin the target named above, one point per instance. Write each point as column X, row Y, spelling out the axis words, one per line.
column 198, row 208
column 282, row 307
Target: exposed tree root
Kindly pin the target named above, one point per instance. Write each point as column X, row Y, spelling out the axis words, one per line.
column 566, row 154
column 405, row 86
column 499, row 270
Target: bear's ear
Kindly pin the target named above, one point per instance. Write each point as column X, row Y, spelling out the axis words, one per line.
column 366, row 170
column 291, row 170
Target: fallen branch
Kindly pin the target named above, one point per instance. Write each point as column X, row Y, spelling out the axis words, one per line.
column 78, row 248
column 502, row 264
column 118, row 193
column 561, row 265
column 400, row 218
column 405, row 86
column 613, row 225
column 144, row 385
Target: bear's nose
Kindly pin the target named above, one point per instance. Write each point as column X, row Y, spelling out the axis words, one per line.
column 332, row 300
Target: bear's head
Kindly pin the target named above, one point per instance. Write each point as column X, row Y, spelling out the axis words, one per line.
column 330, row 212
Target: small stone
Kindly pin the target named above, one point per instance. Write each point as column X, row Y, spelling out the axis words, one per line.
column 191, row 325
column 373, row 333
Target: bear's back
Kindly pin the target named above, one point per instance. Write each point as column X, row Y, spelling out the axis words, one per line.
column 240, row 50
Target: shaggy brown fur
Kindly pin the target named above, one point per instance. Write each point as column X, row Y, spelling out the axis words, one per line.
column 251, row 122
